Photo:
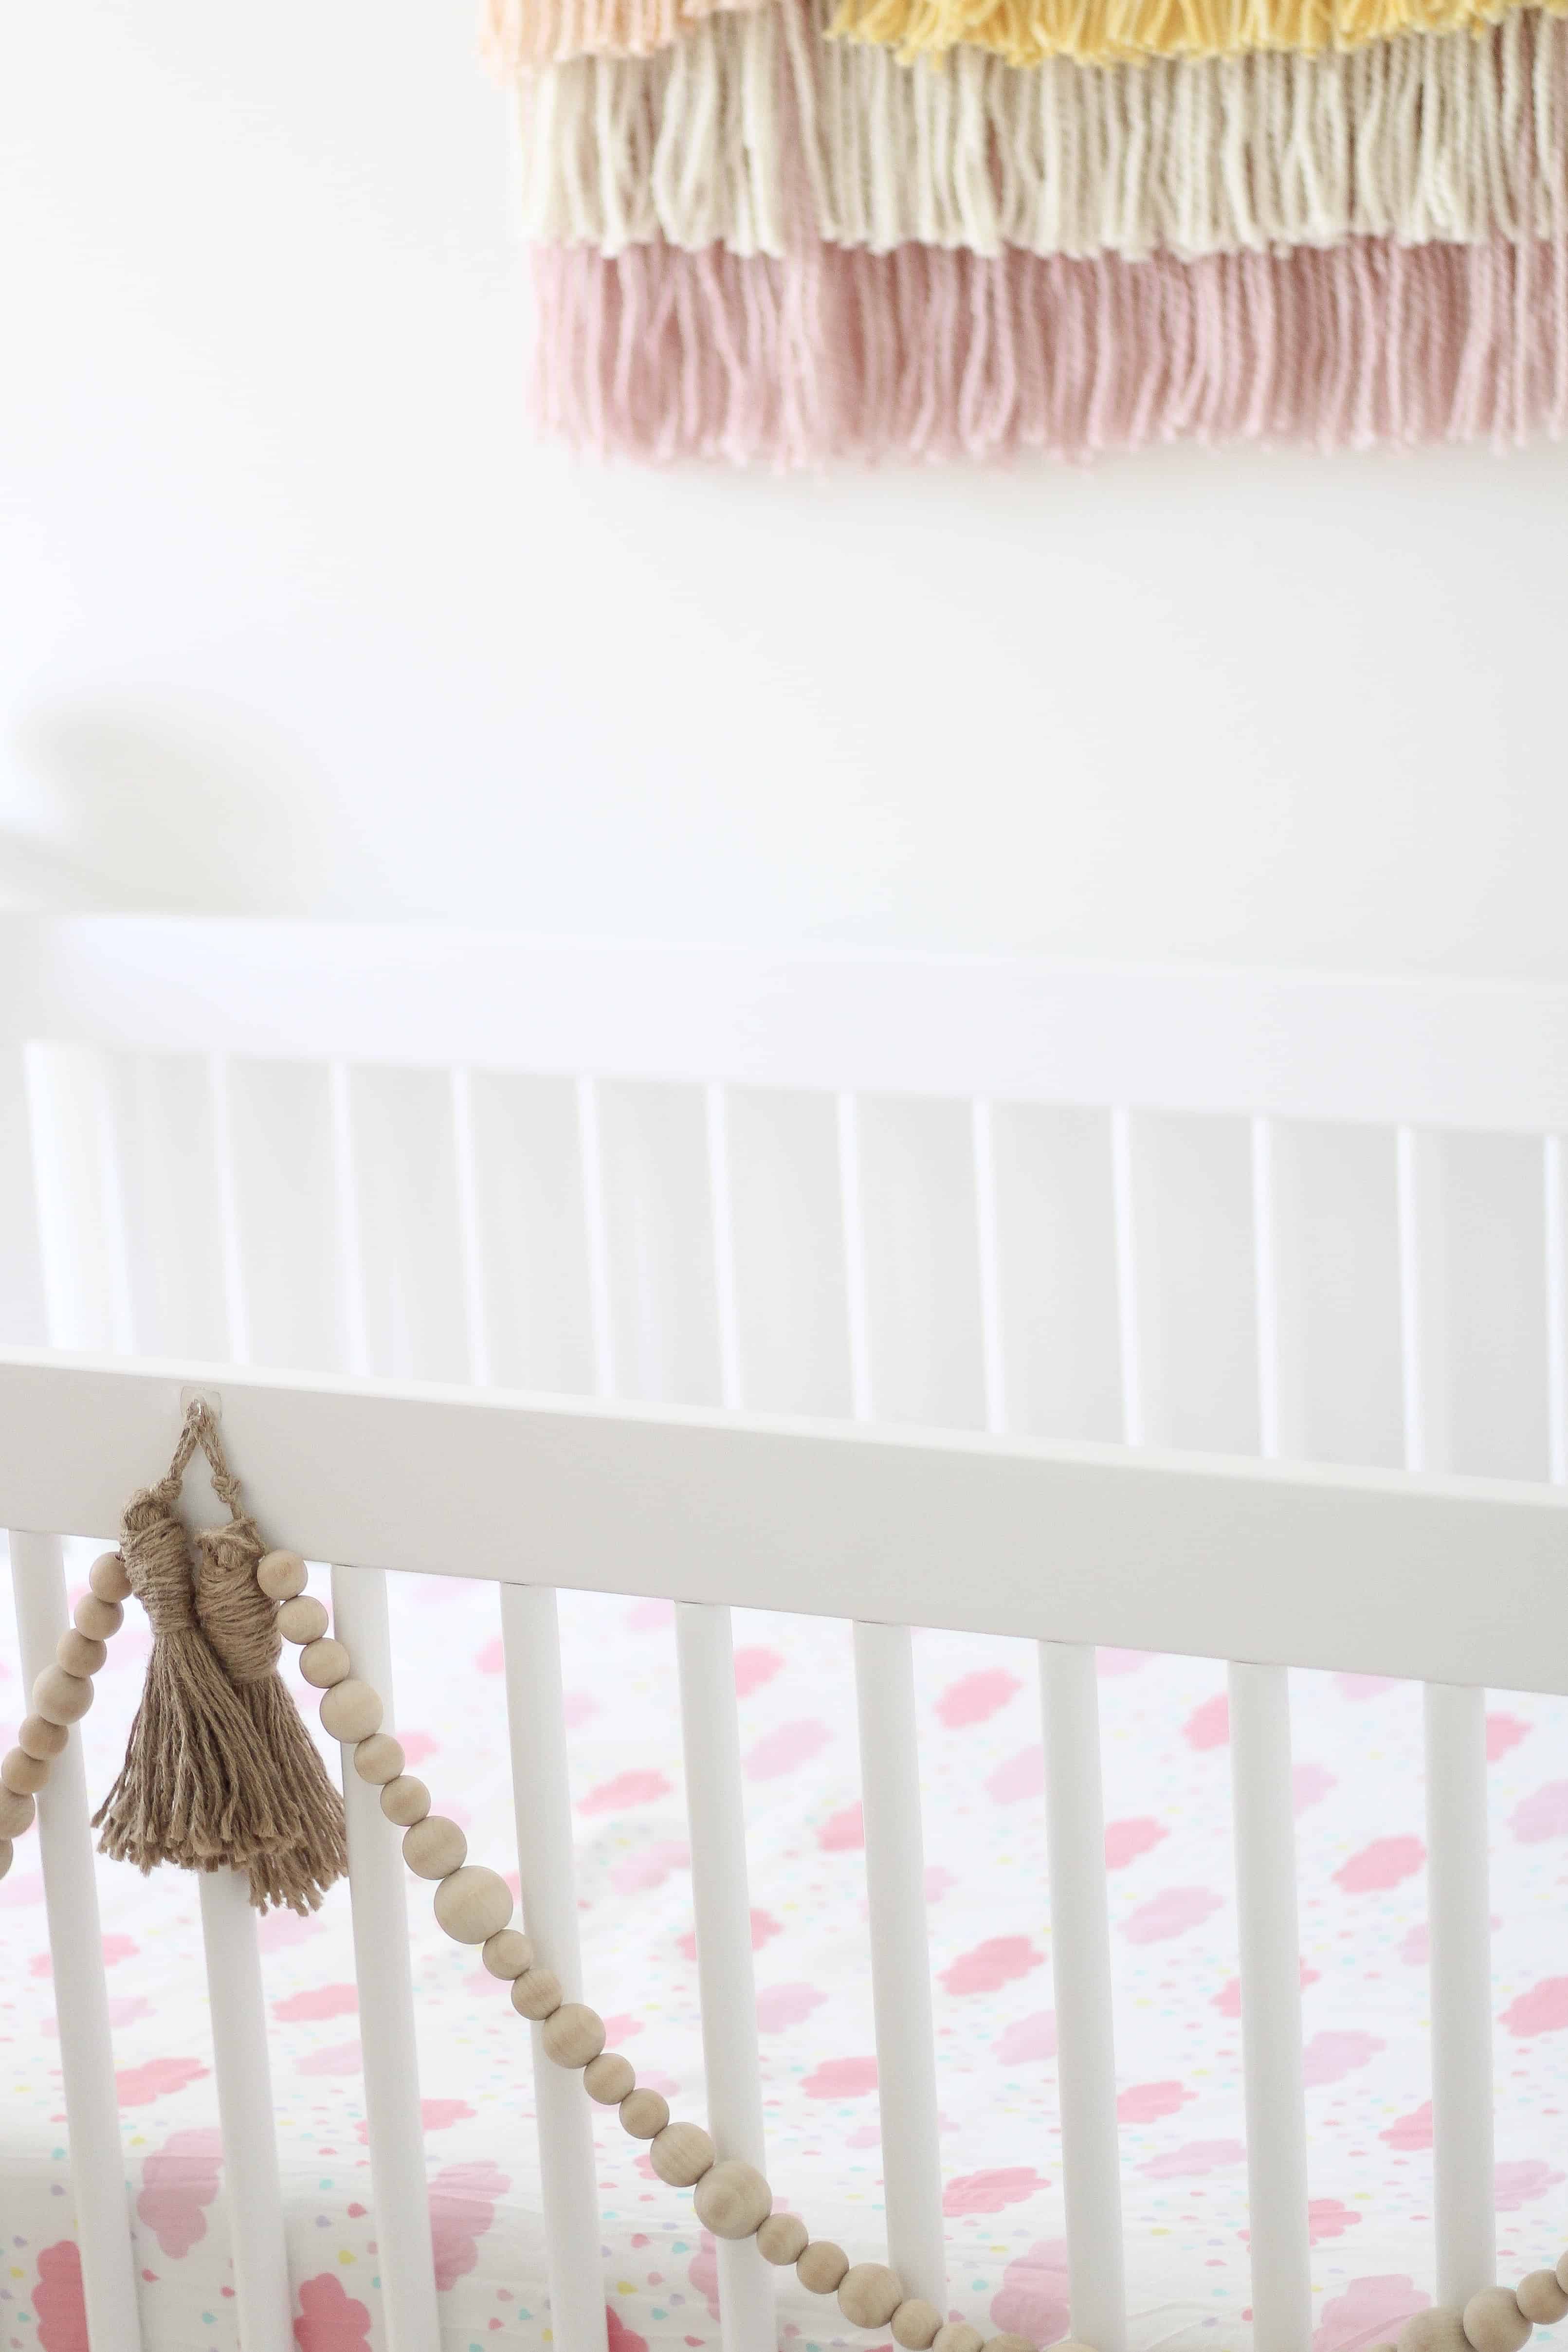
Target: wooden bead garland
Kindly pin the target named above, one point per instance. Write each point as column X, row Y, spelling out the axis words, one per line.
column 42, row 1738
column 536, row 1994
column 644, row 2113
column 869, row 2294
column 79, row 1653
column 107, row 1577
column 915, row 2325
column 957, row 2336
column 324, row 1663
column 473, row 1903
column 62, row 1696
column 1493, row 2321
column 508, row 1955
column 782, row 2238
column 572, row 2034
column 435, row 1847
column 822, row 2266
column 379, row 1758
column 351, row 1711
column 609, row 2078
column 1541, row 2297
column 405, row 1800
column 680, row 2154
column 733, row 2199
column 23, row 1774
column 303, row 1619
column 281, row 1574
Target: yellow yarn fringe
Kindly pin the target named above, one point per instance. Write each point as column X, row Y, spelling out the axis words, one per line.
column 1119, row 32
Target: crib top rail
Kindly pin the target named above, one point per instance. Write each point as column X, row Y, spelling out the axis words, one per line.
column 1435, row 1579
column 1463, row 1054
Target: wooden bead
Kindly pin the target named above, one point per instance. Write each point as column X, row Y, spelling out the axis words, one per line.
column 733, row 2200
column 379, row 1758
column 6, row 1851
column 822, row 2266
column 1440, row 2329
column 1494, row 2322
column 915, row 2325
column 957, row 2336
column 537, row 1994
column 473, row 1905
column 351, row 1711
column 281, row 1574
column 41, row 1738
column 17, row 1812
column 435, row 1847
column 61, row 1697
column 782, row 2237
column 870, row 2293
column 324, row 1663
column 1008, row 2344
column 98, row 1619
column 23, row 1774
column 1560, row 2272
column 574, row 2033
column 107, row 1577
column 302, row 1620
column 1541, row 2298
column 609, row 2078
column 644, row 2113
column 79, row 1653
column 405, row 1800
column 507, row 1954
column 680, row 2154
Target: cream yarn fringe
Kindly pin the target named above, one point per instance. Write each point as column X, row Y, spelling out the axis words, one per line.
column 517, row 34
column 1453, row 138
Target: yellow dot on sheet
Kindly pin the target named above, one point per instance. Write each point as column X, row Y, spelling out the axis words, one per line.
column 343, row 2255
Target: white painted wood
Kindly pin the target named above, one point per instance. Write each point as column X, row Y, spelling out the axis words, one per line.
column 532, row 1641
column 1556, row 1262
column 1459, row 1914
column 596, row 1237
column 1262, row 1800
column 724, row 1297
column 1124, row 1197
column 346, row 1204
column 711, row 1735
column 81, row 1997
column 231, row 1241
column 23, row 1321
column 470, row 1245
column 1080, row 1970
column 1266, row 1283
column 1432, row 1578
column 384, row 1976
column 253, row 2195
column 857, row 1317
column 1459, row 1926
column 992, row 1335
column 1434, row 1054
column 86, row 1301
column 900, row 1958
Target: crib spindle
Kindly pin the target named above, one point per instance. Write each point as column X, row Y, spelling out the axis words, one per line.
column 1129, row 1311
column 1080, row 1968
column 81, row 1995
column 231, row 1246
column 713, row 1746
column 596, row 1237
column 470, row 1245
column 988, row 1246
column 531, row 1638
column 1270, row 2007
column 385, row 1974
column 1459, row 1914
column 253, row 2194
column 1555, row 1254
column 346, row 1210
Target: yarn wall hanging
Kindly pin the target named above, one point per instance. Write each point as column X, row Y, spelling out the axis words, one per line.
column 800, row 229
column 220, row 1773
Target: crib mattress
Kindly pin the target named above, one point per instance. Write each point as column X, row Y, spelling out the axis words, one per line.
column 1358, row 1805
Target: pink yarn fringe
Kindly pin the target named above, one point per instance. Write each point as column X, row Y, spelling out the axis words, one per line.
column 930, row 354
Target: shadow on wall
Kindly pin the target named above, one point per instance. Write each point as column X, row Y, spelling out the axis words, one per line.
column 124, row 802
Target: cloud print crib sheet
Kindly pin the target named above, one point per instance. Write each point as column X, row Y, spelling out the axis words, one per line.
column 1362, row 1862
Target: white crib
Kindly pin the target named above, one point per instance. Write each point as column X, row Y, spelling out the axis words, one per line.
column 1193, row 1313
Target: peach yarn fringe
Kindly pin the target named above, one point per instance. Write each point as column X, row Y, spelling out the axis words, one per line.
column 1455, row 138
column 516, row 36
column 1106, row 32
column 926, row 355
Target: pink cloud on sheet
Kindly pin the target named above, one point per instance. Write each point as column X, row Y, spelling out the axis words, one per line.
column 318, row 2001
column 1171, row 1914
column 649, row 1867
column 179, row 2181
column 842, row 1832
column 1360, row 1686
column 637, row 1787
column 990, row 1965
column 492, row 1659
column 57, row 2299
column 1208, row 1725
column 621, row 2338
column 277, row 1929
column 779, row 2006
column 1228, row 2001
column 1542, row 1815
column 1521, row 2182
column 1195, row 2158
column 1310, row 1784
column 992, row 2192
column 1032, row 2300
column 337, row 2058
column 841, row 2078
column 754, row 1667
column 462, row 2208
column 1327, row 2217
column 1145, row 2103
column 702, row 2273
column 138, row 2086
column 436, row 2114
column 765, row 1927
column 1030, row 2038
column 1503, row 1732
column 416, row 1746
column 1329, row 2057
column 1543, row 2009
column 975, row 1698
column 1126, row 1841
column 790, row 1744
column 330, row 2319
column 1411, row 2132
column 1370, row 2311
column 1023, row 1775
column 1380, row 1865
column 1121, row 1662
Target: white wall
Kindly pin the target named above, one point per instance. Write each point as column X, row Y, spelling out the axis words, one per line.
column 293, row 614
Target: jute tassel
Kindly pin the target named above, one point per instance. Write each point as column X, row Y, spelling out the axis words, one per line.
column 219, row 1772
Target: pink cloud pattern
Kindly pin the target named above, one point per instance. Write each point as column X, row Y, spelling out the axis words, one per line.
column 179, row 2181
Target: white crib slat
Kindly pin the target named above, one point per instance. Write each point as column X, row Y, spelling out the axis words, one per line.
column 710, row 1734
column 81, row 1998
column 1460, row 1928
column 535, row 1716
column 900, row 1958
column 1124, row 1199
column 1556, row 1258
column 1080, row 1967
column 992, row 1336
column 596, row 1236
column 252, row 2191
column 855, row 1310
column 1270, row 2007
column 1459, row 1913
column 384, row 1974
column 470, row 1245
column 346, row 1206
